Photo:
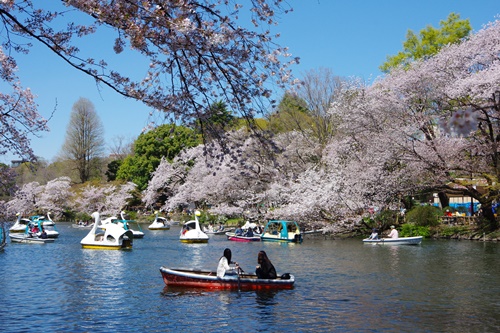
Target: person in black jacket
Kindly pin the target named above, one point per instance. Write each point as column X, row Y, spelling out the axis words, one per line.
column 265, row 269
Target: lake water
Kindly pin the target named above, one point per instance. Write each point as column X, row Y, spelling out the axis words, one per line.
column 341, row 286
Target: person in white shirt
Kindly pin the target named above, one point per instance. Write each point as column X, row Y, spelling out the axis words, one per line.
column 224, row 263
column 374, row 234
column 394, row 233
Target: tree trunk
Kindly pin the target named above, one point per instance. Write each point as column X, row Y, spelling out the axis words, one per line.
column 443, row 199
column 487, row 213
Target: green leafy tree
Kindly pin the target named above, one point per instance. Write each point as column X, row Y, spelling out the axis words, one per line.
column 216, row 120
column 113, row 168
column 291, row 114
column 164, row 141
column 428, row 42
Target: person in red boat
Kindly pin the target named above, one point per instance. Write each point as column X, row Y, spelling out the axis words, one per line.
column 224, row 264
column 265, row 269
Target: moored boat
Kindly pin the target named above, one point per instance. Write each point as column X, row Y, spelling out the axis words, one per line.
column 209, row 280
column 191, row 231
column 110, row 236
column 282, row 231
column 395, row 241
column 242, row 238
column 160, row 223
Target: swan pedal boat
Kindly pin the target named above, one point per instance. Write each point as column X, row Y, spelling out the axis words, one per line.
column 131, row 225
column 110, row 236
column 41, row 218
column 241, row 238
column 209, row 280
column 48, row 225
column 160, row 223
column 395, row 241
column 191, row 231
column 20, row 224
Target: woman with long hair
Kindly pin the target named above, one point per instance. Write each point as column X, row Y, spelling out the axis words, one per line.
column 265, row 269
column 224, row 263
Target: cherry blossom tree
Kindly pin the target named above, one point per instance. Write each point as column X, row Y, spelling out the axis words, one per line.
column 106, row 199
column 25, row 199
column 19, row 117
column 196, row 52
column 425, row 128
column 436, row 120
column 54, row 196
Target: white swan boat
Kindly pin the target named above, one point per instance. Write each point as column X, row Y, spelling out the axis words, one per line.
column 48, row 225
column 160, row 223
column 34, row 233
column 110, row 236
column 191, row 231
column 395, row 241
column 20, row 225
column 46, row 221
column 127, row 224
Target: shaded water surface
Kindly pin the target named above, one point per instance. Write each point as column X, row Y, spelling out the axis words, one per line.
column 341, row 285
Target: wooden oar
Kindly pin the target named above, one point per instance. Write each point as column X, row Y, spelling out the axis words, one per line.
column 239, row 271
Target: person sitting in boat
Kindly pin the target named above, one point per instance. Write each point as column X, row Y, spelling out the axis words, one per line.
column 223, row 268
column 248, row 233
column 394, row 233
column 238, row 231
column 374, row 234
column 221, row 227
column 265, row 269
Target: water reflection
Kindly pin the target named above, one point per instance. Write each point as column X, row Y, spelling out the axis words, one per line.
column 197, row 253
column 341, row 285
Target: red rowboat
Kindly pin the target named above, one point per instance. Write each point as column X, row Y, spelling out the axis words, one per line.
column 209, row 280
column 240, row 238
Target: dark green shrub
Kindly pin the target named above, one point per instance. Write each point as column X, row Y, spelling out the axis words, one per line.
column 424, row 216
column 410, row 230
column 386, row 218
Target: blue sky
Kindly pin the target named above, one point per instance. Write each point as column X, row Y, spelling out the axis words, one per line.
column 350, row 37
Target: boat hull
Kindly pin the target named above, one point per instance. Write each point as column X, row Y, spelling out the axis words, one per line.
column 193, row 236
column 236, row 238
column 18, row 238
column 104, row 247
column 17, row 231
column 209, row 280
column 193, row 240
column 395, row 241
